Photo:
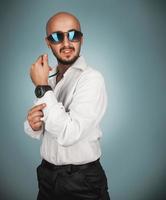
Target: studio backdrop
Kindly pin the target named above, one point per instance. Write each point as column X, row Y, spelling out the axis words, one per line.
column 125, row 41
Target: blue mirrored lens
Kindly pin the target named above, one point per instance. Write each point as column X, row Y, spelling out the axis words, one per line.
column 55, row 37
column 71, row 35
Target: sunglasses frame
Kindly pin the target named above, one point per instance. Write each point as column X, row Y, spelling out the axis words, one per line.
column 51, row 39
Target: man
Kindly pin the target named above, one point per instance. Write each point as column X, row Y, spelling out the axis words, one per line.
column 71, row 100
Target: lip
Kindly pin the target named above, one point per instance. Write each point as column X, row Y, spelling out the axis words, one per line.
column 67, row 50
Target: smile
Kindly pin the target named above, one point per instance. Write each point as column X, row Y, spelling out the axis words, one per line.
column 66, row 50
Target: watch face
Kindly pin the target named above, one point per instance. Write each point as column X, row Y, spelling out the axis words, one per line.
column 39, row 92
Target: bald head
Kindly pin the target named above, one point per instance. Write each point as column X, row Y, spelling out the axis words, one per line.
column 62, row 21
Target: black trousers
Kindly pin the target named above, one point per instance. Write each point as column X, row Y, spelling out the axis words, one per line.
column 72, row 182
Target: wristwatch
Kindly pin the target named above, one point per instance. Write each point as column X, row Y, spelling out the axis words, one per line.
column 40, row 90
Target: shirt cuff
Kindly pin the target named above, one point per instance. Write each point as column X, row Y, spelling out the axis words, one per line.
column 31, row 132
column 49, row 99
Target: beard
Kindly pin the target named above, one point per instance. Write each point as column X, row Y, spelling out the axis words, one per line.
column 69, row 61
column 66, row 61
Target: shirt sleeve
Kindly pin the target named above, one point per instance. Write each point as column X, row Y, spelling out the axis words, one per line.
column 84, row 113
column 27, row 128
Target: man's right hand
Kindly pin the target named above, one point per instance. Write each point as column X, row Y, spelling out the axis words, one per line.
column 34, row 117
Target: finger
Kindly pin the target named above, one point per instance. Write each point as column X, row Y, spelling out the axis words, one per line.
column 37, row 114
column 36, row 119
column 33, row 120
column 30, row 70
column 37, row 126
column 39, row 60
column 37, row 108
column 31, row 115
column 45, row 60
column 34, row 112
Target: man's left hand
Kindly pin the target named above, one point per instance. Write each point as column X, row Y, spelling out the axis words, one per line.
column 39, row 71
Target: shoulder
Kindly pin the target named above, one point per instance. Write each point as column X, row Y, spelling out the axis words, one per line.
column 91, row 74
column 91, row 77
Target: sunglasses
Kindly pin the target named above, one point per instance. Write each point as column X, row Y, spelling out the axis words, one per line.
column 58, row 37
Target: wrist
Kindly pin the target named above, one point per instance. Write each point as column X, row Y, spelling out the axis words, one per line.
column 41, row 83
column 40, row 90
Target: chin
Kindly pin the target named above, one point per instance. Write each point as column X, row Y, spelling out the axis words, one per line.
column 68, row 61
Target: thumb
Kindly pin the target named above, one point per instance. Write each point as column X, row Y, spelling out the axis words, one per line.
column 45, row 60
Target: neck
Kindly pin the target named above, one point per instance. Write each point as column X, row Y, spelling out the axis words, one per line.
column 62, row 68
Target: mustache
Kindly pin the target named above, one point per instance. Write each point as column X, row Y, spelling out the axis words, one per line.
column 64, row 48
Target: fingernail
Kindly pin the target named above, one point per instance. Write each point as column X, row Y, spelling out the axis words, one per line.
column 42, row 118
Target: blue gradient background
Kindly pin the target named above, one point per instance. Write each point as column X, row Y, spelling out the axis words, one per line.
column 126, row 41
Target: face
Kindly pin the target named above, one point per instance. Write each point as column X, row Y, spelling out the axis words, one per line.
column 66, row 51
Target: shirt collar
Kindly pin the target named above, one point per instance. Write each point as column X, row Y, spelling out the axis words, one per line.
column 79, row 64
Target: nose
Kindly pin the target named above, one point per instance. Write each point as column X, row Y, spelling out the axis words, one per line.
column 66, row 42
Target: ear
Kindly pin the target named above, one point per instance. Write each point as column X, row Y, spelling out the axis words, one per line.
column 82, row 39
column 47, row 42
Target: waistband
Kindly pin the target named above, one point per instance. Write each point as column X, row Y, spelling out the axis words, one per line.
column 69, row 167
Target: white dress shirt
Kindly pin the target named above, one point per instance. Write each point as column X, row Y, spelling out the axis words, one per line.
column 72, row 115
